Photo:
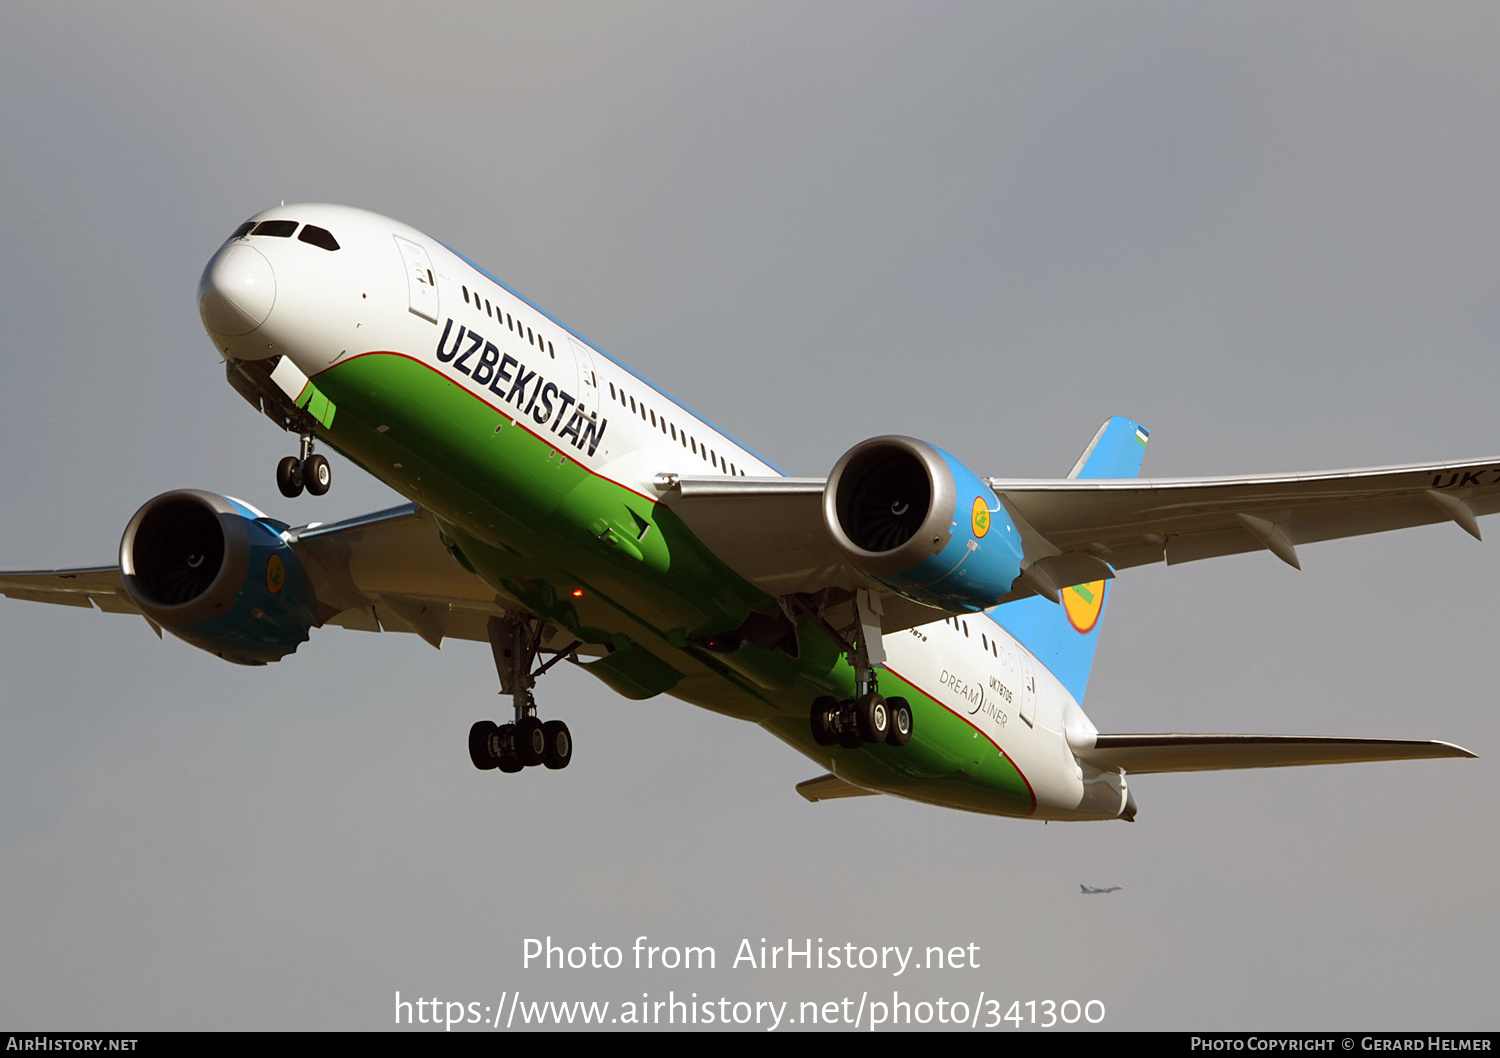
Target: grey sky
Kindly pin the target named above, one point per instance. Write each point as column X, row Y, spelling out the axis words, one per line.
column 1268, row 231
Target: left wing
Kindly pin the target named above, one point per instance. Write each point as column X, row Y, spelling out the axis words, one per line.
column 771, row 530
column 1135, row 522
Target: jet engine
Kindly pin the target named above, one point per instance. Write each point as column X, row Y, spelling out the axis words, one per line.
column 922, row 524
column 217, row 573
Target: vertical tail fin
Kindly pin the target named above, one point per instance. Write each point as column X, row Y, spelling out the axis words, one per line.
column 1064, row 637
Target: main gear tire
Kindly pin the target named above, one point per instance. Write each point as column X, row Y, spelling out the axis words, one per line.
column 479, row 746
column 901, row 723
column 503, row 749
column 559, row 748
column 872, row 719
column 824, row 731
column 531, row 741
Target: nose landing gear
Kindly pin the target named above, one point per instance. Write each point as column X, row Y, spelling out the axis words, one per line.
column 307, row 471
column 515, row 640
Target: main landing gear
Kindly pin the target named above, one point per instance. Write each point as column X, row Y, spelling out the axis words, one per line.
column 307, row 471
column 854, row 721
column 867, row 717
column 515, row 640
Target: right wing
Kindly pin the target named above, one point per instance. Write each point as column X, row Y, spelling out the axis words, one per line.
column 92, row 586
column 387, row 571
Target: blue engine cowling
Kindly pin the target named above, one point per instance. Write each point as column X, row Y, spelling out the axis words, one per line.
column 921, row 523
column 216, row 573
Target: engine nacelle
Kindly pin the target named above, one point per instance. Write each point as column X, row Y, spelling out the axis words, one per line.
column 216, row 573
column 922, row 524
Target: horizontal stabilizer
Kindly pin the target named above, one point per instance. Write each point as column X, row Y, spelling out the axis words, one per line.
column 830, row 788
column 1145, row 754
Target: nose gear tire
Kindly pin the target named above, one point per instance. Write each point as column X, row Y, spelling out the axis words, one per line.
column 317, row 476
column 289, row 477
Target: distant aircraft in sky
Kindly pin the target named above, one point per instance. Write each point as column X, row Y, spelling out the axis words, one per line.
column 914, row 628
column 1089, row 890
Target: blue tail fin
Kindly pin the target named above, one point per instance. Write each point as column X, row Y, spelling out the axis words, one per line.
column 1063, row 637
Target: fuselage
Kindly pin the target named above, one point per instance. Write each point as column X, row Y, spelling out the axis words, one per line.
column 542, row 460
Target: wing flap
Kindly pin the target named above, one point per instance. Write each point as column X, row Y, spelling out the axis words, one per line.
column 1148, row 754
column 114, row 603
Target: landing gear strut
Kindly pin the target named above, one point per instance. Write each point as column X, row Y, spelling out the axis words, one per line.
column 306, row 471
column 515, row 641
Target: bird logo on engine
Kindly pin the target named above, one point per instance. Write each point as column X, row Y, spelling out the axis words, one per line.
column 980, row 517
column 275, row 574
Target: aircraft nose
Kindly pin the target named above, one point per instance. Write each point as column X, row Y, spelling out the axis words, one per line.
column 237, row 290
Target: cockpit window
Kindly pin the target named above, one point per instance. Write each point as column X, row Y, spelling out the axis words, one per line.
column 243, row 230
column 281, row 229
column 318, row 237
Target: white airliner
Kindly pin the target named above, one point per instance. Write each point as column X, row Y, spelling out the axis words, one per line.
column 912, row 627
